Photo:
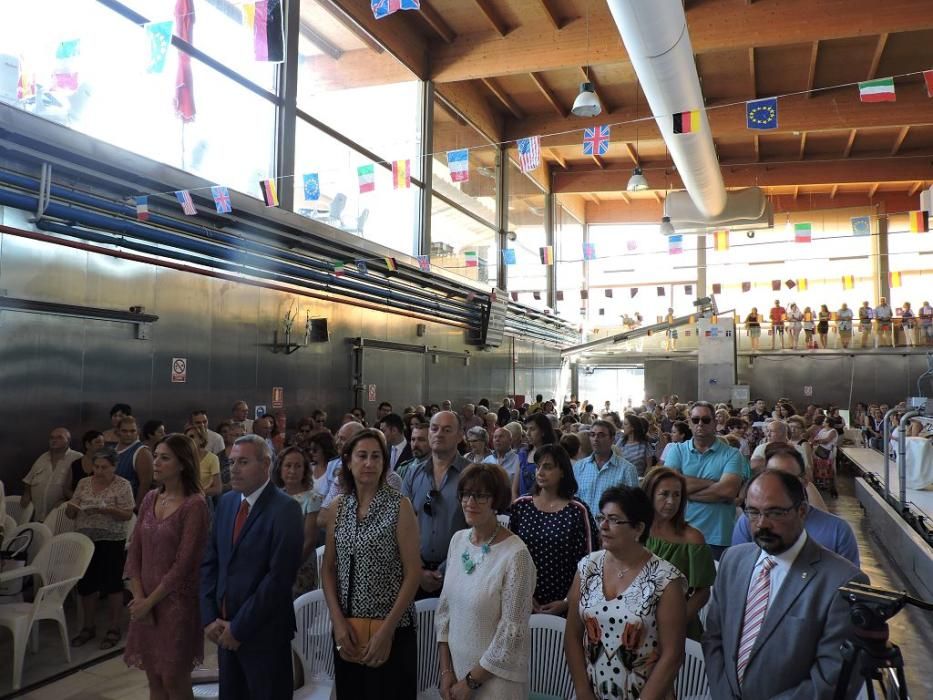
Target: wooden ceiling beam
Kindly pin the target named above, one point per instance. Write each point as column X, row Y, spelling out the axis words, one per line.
column 803, row 145
column 548, row 95
column 757, row 148
column 588, row 77
column 759, row 25
column 599, row 162
column 850, row 143
column 556, row 157
column 351, row 26
column 492, row 15
column 752, row 72
column 469, row 99
column 796, row 191
column 500, row 95
column 833, row 191
column 899, row 141
column 811, row 75
column 873, row 189
column 658, row 197
column 625, row 198
column 615, row 179
column 394, row 33
column 631, row 153
column 551, row 15
column 876, row 58
column 916, row 187
column 827, row 111
column 437, row 23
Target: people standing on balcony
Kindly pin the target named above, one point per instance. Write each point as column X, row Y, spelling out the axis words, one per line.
column 778, row 314
column 883, row 315
column 794, row 324
column 808, row 327
column 926, row 323
column 822, row 326
column 671, row 332
column 909, row 321
column 844, row 324
column 753, row 326
column 865, row 315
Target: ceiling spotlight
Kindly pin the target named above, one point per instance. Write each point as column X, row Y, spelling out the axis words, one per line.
column 587, row 103
column 637, row 183
column 667, row 229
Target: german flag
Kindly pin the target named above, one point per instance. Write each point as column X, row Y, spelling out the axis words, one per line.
column 721, row 240
column 895, row 280
column 802, row 285
column 919, row 221
column 547, row 255
column 269, row 194
column 687, row 122
column 848, row 282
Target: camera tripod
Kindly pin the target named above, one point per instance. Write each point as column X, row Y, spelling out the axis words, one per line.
column 869, row 651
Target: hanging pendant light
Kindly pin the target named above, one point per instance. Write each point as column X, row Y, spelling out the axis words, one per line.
column 667, row 228
column 637, row 183
column 587, row 103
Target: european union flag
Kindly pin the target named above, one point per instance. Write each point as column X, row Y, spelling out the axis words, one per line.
column 312, row 187
column 762, row 115
column 508, row 256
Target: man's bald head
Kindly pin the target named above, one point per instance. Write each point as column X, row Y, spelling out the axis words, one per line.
column 347, row 431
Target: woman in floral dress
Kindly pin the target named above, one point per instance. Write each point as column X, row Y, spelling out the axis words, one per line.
column 625, row 624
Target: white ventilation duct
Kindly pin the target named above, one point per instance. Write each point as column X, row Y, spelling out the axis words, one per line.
column 747, row 209
column 658, row 44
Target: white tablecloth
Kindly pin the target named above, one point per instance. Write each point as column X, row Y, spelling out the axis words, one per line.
column 919, row 463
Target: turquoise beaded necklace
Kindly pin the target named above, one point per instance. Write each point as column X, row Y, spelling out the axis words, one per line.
column 468, row 564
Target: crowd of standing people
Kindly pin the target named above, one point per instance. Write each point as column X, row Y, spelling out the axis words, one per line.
column 615, row 522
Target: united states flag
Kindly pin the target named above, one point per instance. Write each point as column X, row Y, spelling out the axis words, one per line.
column 187, row 204
column 529, row 153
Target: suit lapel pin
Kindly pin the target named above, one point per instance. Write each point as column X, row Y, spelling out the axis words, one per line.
column 804, row 575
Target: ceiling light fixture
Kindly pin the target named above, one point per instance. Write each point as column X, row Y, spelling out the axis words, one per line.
column 667, row 229
column 637, row 183
column 587, row 103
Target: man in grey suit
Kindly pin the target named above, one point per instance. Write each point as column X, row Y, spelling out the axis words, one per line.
column 776, row 620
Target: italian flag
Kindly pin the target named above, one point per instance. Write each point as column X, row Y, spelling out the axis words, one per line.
column 470, row 259
column 881, row 90
column 367, row 178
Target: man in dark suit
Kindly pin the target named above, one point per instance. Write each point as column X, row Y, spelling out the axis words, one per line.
column 393, row 428
column 249, row 567
column 776, row 619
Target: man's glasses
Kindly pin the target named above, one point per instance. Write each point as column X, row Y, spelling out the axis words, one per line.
column 428, row 506
column 705, row 420
column 755, row 515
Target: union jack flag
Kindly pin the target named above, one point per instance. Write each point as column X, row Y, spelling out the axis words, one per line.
column 221, row 199
column 384, row 8
column 596, row 141
column 187, row 204
column 529, row 153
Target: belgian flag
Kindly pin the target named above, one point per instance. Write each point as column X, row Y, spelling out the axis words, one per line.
column 687, row 122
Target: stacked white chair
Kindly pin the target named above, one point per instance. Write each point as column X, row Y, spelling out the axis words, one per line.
column 14, row 508
column 313, row 644
column 691, row 682
column 549, row 675
column 319, row 552
column 58, row 522
column 428, row 668
column 60, row 564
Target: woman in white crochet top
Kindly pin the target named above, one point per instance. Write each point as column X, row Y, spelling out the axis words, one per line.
column 482, row 617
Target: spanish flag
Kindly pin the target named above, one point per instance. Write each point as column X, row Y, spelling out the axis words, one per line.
column 919, row 221
column 802, row 285
column 848, row 282
column 687, row 122
column 721, row 240
column 269, row 194
column 895, row 280
column 547, row 255
column 401, row 174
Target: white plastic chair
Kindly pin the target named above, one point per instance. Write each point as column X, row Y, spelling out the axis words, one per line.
column 13, row 538
column 429, row 673
column 549, row 674
column 319, row 553
column 16, row 511
column 691, row 682
column 58, row 522
column 313, row 644
column 60, row 564
column 40, row 536
column 2, row 500
column 9, row 524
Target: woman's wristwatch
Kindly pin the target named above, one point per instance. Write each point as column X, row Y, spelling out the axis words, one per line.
column 472, row 683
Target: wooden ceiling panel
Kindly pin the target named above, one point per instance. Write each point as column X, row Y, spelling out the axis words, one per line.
column 783, row 69
column 821, row 144
column 875, row 141
column 725, row 75
column 844, row 61
column 735, row 150
column 466, row 17
column 779, row 147
column 919, row 140
column 906, row 52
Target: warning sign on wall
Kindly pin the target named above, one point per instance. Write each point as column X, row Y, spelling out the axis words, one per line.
column 278, row 397
column 179, row 370
column 372, row 393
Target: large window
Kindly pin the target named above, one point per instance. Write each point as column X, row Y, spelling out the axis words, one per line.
column 106, row 91
column 635, row 274
column 462, row 245
column 527, row 213
column 385, row 215
column 911, row 255
column 568, row 251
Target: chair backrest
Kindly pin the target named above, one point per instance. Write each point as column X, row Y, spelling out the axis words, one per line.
column 313, row 642
column 9, row 526
column 40, row 536
column 15, row 510
column 64, row 556
column 2, row 499
column 319, row 554
column 549, row 674
column 51, row 597
column 429, row 673
column 130, row 530
column 57, row 522
column 691, row 682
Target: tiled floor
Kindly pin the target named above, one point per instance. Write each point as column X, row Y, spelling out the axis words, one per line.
column 911, row 629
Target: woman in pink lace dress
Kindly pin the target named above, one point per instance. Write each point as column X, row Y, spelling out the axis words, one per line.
column 165, row 637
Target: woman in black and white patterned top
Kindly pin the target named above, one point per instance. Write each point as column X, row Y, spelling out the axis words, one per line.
column 370, row 573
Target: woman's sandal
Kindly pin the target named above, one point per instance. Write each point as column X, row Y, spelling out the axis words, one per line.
column 84, row 636
column 110, row 639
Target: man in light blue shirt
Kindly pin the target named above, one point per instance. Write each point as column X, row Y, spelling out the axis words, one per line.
column 502, row 453
column 603, row 468
column 713, row 471
column 831, row 531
